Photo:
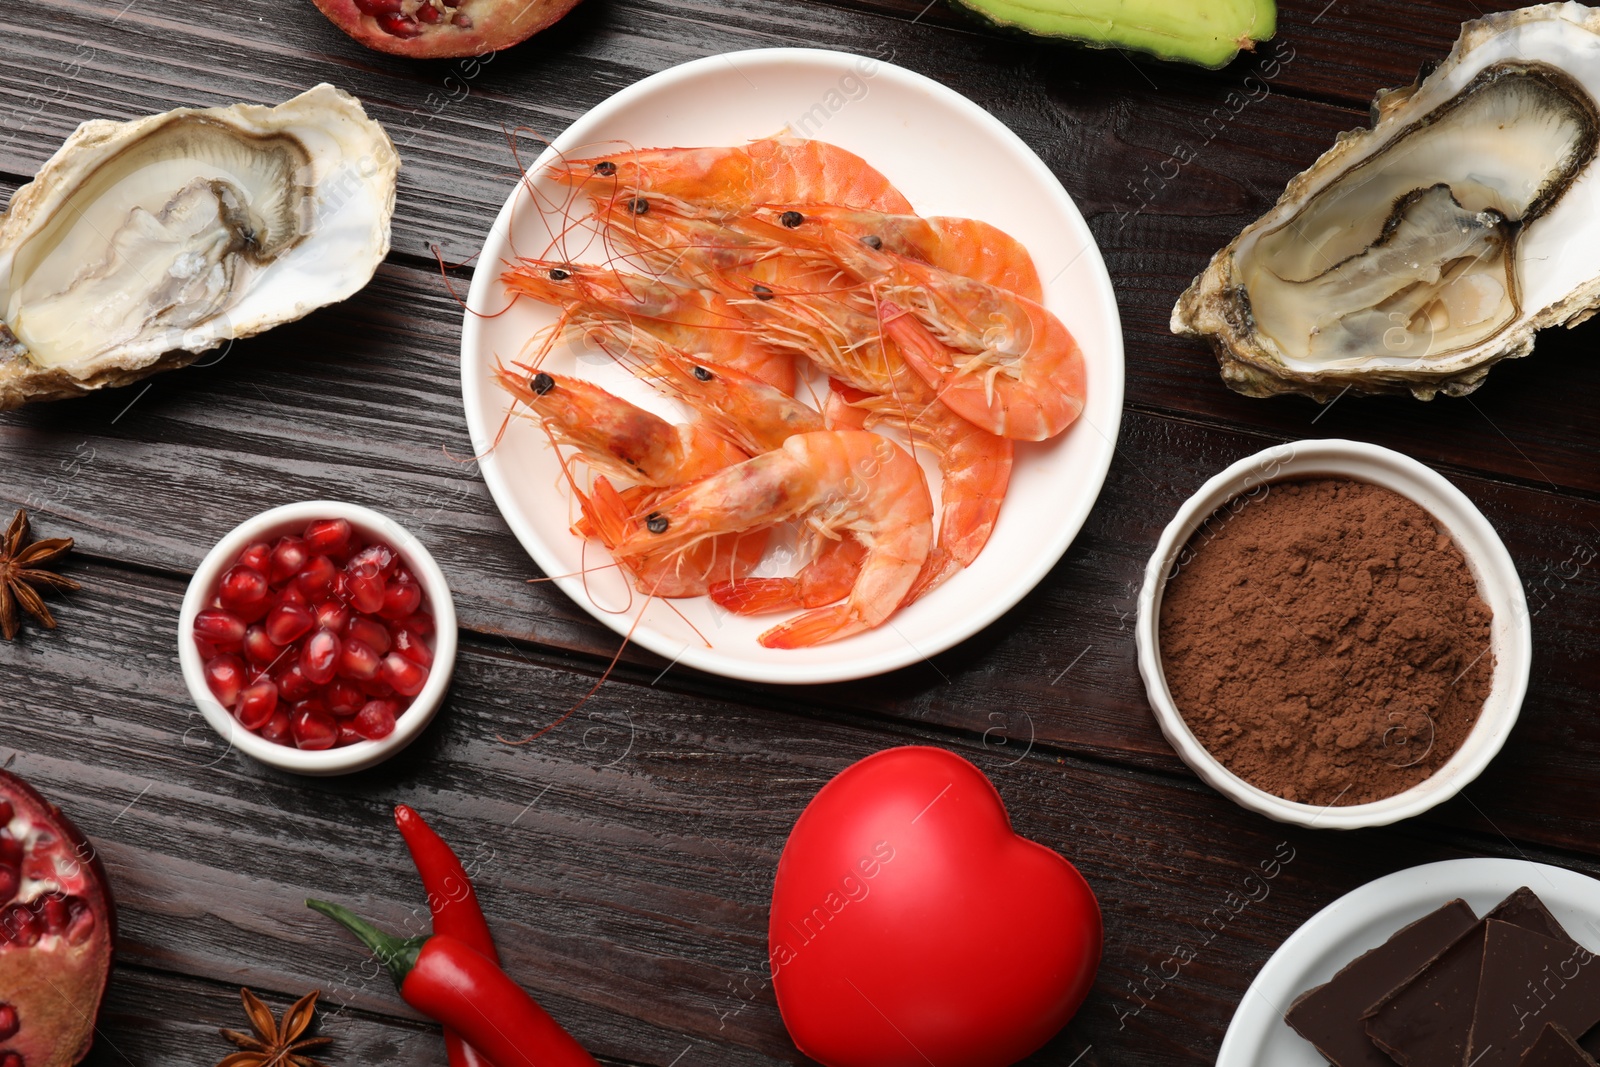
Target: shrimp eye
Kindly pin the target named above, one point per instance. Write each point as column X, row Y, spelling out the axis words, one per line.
column 656, row 522
column 703, row 374
column 791, row 219
column 638, row 205
column 559, row 275
column 761, row 292
column 605, row 168
column 542, row 383
column 872, row 241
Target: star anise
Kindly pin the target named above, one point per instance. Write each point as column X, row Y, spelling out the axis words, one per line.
column 22, row 572
column 274, row 1044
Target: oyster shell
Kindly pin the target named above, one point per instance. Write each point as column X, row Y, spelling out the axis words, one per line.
column 140, row 245
column 1415, row 254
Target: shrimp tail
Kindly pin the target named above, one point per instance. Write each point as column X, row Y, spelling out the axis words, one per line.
column 816, row 628
column 825, row 579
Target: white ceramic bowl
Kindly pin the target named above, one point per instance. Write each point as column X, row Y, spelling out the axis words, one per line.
column 1498, row 585
column 949, row 157
column 292, row 518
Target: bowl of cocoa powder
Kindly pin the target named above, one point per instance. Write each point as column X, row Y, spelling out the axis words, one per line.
column 1332, row 634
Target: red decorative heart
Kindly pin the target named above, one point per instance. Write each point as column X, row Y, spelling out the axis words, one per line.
column 911, row 925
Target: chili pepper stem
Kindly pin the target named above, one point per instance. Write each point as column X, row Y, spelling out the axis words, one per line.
column 398, row 954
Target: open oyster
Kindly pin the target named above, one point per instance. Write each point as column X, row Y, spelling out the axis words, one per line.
column 141, row 244
column 1414, row 255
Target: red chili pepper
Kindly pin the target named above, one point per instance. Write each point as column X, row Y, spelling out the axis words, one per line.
column 445, row 979
column 454, row 904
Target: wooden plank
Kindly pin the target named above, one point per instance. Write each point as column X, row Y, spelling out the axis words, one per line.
column 626, row 858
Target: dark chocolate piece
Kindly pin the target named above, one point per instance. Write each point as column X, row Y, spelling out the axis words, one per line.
column 1529, row 980
column 1329, row 1016
column 1427, row 1021
column 1555, row 1048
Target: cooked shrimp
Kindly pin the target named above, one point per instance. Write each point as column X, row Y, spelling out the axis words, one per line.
column 672, row 236
column 782, row 170
column 692, row 319
column 840, row 483
column 968, row 247
column 1000, row 360
column 710, row 565
column 742, row 407
column 616, row 436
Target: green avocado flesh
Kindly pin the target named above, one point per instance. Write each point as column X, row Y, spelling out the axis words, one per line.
column 1205, row 32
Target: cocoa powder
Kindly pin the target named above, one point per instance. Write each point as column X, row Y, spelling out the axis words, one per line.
column 1326, row 642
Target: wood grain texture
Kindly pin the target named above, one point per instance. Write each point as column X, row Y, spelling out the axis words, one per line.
column 627, row 856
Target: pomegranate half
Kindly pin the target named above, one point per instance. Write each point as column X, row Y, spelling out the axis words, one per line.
column 56, row 927
column 443, row 29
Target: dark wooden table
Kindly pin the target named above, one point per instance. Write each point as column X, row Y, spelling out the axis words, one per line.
column 627, row 856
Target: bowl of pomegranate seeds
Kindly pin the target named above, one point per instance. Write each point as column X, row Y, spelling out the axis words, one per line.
column 318, row 637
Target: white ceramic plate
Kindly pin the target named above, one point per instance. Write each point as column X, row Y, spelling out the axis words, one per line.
column 1364, row 919
column 948, row 156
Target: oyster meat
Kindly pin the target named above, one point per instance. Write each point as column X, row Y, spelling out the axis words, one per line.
column 140, row 245
column 1416, row 254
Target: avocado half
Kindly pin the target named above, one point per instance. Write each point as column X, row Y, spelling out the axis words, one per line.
column 1205, row 32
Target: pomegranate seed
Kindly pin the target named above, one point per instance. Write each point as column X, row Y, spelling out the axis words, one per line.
column 82, row 927
column 420, row 624
column 399, row 25
column 9, row 1023
column 288, row 556
column 367, row 593
column 258, row 557
column 259, row 647
column 52, row 910
column 293, row 685
column 245, row 592
column 347, row 735
column 452, row 3
column 377, row 687
column 314, row 729
column 407, row 678
column 291, row 594
column 316, row 577
column 358, row 660
column 332, row 615
column 463, row 20
column 257, row 703
column 11, row 850
column 11, row 1059
column 341, row 586
column 319, row 657
column 331, row 537
column 375, row 721
column 219, row 627
column 430, row 15
column 413, row 648
column 400, row 598
column 10, row 882
column 22, row 926
column 378, row 7
column 288, row 622
column 225, row 678
column 379, row 556
column 7, row 812
column 277, row 729
column 369, row 632
column 343, row 697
